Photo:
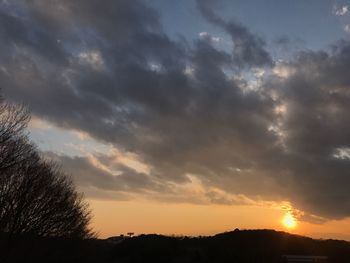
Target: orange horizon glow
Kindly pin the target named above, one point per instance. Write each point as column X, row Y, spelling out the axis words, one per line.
column 113, row 218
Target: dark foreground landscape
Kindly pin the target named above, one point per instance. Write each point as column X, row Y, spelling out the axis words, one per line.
column 236, row 246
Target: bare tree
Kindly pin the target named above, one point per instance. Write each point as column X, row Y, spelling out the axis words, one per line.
column 36, row 197
column 14, row 146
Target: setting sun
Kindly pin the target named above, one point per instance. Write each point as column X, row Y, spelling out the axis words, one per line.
column 289, row 221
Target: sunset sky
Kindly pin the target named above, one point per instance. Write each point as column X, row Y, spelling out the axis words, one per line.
column 190, row 117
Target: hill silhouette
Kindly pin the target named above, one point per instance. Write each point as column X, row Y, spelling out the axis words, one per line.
column 234, row 246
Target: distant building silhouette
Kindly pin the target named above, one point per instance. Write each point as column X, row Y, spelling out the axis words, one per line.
column 300, row 258
column 116, row 239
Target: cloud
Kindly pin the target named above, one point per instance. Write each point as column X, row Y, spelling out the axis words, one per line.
column 341, row 11
column 90, row 172
column 315, row 127
column 92, row 58
column 342, row 153
column 283, row 70
column 182, row 108
column 347, row 28
column 249, row 49
column 103, row 176
column 205, row 35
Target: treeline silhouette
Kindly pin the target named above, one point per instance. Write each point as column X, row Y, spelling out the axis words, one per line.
column 237, row 246
column 37, row 198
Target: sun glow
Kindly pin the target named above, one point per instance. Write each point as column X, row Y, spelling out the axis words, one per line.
column 289, row 221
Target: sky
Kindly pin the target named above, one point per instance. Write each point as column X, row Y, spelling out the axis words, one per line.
column 190, row 117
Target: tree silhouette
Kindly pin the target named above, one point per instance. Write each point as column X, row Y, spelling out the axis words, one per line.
column 14, row 146
column 36, row 197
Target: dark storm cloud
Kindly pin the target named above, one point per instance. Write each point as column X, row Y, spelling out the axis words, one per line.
column 111, row 71
column 249, row 49
column 316, row 123
column 20, row 32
